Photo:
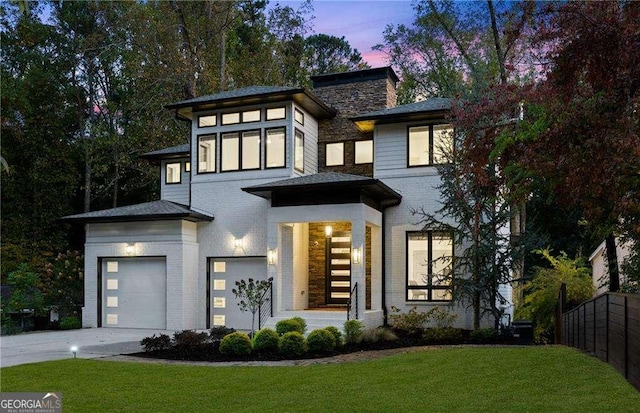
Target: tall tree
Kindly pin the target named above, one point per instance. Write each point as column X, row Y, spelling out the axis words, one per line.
column 460, row 49
column 329, row 54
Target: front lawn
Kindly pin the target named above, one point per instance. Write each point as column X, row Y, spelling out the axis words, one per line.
column 448, row 379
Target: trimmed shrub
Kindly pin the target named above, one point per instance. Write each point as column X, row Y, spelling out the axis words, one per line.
column 411, row 323
column 291, row 324
column 321, row 341
column 375, row 335
column 218, row 332
column 236, row 344
column 265, row 340
column 337, row 335
column 156, row 343
column 292, row 344
column 353, row 330
column 70, row 323
column 442, row 318
column 483, row 336
column 447, row 335
column 191, row 344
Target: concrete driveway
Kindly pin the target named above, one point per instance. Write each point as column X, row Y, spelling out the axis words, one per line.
column 55, row 345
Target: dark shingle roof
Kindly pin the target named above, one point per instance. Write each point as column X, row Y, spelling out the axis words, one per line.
column 148, row 211
column 173, row 152
column 327, row 188
column 236, row 94
column 322, row 178
column 429, row 105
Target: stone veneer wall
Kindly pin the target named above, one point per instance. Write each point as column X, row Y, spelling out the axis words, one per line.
column 351, row 99
column 317, row 248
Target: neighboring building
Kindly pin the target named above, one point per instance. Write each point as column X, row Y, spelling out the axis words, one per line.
column 313, row 188
column 600, row 272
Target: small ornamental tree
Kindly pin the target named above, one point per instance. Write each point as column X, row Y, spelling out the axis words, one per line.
column 252, row 295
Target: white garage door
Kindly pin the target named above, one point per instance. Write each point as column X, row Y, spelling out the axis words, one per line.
column 224, row 304
column 134, row 292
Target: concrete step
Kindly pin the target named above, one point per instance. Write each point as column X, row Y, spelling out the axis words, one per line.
column 315, row 319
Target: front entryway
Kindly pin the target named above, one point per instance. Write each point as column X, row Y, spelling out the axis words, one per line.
column 338, row 267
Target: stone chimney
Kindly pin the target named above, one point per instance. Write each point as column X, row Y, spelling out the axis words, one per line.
column 351, row 94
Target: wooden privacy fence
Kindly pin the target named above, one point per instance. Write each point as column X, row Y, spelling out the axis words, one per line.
column 607, row 326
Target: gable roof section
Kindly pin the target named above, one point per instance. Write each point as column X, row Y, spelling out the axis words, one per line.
column 148, row 211
column 253, row 95
column 180, row 151
column 425, row 110
column 327, row 188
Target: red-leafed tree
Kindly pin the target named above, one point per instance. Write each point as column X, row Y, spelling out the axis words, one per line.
column 580, row 137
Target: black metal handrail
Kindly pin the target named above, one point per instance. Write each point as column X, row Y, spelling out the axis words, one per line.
column 266, row 309
column 353, row 299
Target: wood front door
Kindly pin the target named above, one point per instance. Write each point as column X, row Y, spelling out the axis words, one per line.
column 338, row 268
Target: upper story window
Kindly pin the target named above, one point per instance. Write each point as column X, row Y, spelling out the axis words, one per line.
column 187, row 166
column 298, row 115
column 230, row 118
column 206, row 121
column 276, row 148
column 173, row 173
column 364, row 152
column 334, row 154
column 298, row 151
column 429, row 256
column 276, row 113
column 240, row 151
column 251, row 116
column 429, row 144
column 206, row 153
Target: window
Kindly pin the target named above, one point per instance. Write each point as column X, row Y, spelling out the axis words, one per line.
column 364, row 152
column 172, row 173
column 230, row 118
column 428, row 145
column 206, row 153
column 205, row 121
column 334, row 154
column 251, row 116
column 276, row 113
column 298, row 151
column 240, row 151
column 298, row 115
column 187, row 166
column 429, row 256
column 276, row 148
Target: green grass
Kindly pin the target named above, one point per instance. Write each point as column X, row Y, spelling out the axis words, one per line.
column 532, row 379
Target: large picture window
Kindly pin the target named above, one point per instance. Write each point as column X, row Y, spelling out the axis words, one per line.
column 206, row 153
column 429, row 144
column 240, row 151
column 276, row 148
column 429, row 262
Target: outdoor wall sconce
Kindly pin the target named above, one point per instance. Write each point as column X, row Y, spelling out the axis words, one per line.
column 237, row 242
column 271, row 256
column 356, row 255
column 130, row 249
column 328, row 231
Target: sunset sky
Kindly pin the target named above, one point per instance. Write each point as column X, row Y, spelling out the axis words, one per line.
column 361, row 22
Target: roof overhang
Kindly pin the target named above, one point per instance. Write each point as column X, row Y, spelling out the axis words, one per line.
column 311, row 103
column 367, row 123
column 151, row 211
column 371, row 192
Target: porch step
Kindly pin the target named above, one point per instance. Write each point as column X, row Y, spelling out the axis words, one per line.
column 315, row 319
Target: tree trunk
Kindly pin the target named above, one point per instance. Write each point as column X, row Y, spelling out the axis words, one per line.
column 496, row 40
column 612, row 263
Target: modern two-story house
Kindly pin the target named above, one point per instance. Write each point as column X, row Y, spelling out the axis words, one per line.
column 313, row 188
